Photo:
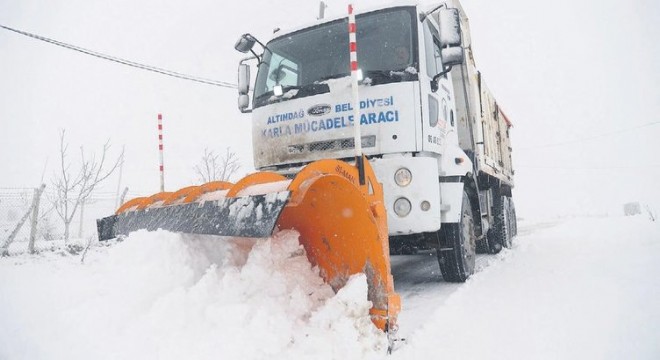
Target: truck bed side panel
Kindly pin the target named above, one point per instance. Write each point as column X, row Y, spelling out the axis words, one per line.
column 483, row 128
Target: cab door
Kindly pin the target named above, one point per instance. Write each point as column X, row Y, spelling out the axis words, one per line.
column 437, row 104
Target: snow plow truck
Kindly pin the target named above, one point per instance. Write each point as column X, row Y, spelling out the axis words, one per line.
column 431, row 169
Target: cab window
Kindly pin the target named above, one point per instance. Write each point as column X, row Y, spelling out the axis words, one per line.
column 432, row 42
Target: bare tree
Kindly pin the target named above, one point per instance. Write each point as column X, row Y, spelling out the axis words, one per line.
column 214, row 167
column 72, row 188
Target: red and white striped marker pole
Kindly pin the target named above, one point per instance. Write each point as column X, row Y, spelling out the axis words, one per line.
column 357, row 131
column 352, row 44
column 160, row 152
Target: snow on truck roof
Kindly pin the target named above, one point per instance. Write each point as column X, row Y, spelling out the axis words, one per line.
column 423, row 6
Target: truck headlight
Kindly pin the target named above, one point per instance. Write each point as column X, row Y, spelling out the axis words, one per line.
column 402, row 207
column 403, row 177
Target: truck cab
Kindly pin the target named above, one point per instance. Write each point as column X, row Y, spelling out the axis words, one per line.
column 426, row 158
column 302, row 109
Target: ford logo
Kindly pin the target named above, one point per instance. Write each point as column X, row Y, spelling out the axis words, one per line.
column 319, row 110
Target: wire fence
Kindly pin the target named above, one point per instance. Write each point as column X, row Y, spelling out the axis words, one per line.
column 19, row 222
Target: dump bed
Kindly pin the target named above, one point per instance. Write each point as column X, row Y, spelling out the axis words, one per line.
column 483, row 126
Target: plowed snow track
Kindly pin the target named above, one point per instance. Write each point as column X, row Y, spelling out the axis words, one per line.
column 418, row 280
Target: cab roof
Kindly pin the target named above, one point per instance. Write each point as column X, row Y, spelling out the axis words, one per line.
column 358, row 11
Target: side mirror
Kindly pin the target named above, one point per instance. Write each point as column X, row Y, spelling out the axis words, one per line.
column 243, row 79
column 243, row 87
column 243, row 103
column 450, row 28
column 452, row 56
column 245, row 43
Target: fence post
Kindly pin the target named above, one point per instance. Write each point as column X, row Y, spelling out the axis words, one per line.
column 35, row 217
column 4, row 250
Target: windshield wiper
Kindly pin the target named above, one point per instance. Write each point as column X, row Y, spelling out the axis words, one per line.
column 379, row 76
column 301, row 91
column 285, row 89
column 389, row 76
column 330, row 77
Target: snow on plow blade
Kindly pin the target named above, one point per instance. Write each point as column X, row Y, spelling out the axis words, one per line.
column 249, row 216
column 342, row 224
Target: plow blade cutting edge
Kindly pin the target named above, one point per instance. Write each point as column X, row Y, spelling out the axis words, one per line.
column 246, row 216
column 342, row 224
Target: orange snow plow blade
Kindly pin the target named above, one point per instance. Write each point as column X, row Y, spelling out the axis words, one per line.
column 342, row 224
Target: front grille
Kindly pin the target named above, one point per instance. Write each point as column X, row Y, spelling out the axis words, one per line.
column 331, row 145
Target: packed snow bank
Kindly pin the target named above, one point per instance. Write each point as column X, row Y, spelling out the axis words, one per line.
column 583, row 288
column 168, row 296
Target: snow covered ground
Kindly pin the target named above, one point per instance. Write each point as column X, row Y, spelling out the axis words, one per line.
column 570, row 289
column 582, row 288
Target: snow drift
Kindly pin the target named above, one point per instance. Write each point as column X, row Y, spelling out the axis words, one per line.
column 170, row 296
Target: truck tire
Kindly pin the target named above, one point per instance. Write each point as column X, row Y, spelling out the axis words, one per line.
column 457, row 246
column 483, row 246
column 512, row 219
column 500, row 234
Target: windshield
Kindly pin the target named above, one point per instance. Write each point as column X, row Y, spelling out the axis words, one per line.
column 302, row 61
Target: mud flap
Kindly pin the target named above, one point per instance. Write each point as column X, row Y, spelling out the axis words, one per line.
column 246, row 216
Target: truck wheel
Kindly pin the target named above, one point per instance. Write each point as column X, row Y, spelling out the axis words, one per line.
column 457, row 246
column 483, row 246
column 512, row 219
column 500, row 233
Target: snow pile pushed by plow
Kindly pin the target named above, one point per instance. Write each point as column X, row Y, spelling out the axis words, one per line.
column 569, row 289
column 169, row 296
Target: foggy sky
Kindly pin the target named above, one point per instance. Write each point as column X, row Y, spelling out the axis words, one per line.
column 563, row 71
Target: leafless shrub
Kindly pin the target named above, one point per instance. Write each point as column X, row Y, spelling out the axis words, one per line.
column 212, row 166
